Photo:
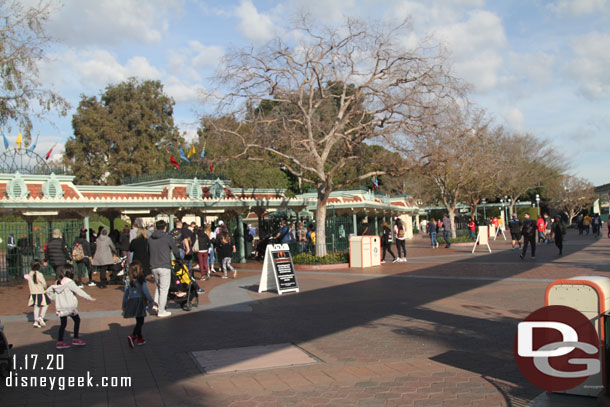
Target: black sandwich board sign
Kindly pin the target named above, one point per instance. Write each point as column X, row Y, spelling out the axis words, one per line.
column 278, row 270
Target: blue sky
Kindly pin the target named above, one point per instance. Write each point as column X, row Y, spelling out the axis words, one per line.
column 541, row 67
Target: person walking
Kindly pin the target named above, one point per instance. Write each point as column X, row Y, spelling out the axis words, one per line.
column 447, row 231
column 38, row 296
column 124, row 243
column 558, row 231
column 386, row 241
column 471, row 228
column 597, row 225
column 139, row 248
column 514, row 225
column 528, row 231
column 432, row 231
column 399, row 233
column 81, row 254
column 205, row 242
column 161, row 246
column 104, row 255
column 226, row 249
column 587, row 224
column 541, row 226
column 135, row 299
column 56, row 252
column 66, row 304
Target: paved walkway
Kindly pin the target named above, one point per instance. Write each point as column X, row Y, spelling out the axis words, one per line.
column 435, row 331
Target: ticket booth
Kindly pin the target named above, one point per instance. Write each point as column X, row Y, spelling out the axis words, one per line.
column 589, row 295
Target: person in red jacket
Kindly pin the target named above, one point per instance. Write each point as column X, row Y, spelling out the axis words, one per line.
column 472, row 227
column 541, row 224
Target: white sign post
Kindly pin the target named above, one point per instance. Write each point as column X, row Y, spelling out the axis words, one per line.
column 278, row 270
column 482, row 238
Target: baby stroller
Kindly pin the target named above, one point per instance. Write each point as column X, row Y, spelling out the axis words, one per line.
column 118, row 271
column 5, row 354
column 181, row 288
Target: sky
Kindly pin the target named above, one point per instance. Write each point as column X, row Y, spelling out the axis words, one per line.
column 541, row 67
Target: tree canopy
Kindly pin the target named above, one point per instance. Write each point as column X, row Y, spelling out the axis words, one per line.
column 127, row 132
column 22, row 43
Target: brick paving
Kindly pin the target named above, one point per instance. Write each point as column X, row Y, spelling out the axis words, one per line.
column 436, row 331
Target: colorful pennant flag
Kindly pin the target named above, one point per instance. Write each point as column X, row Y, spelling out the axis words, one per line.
column 376, row 183
column 49, row 153
column 33, row 146
column 183, row 156
column 212, row 165
column 191, row 151
column 19, row 140
column 202, row 152
column 6, row 143
column 173, row 161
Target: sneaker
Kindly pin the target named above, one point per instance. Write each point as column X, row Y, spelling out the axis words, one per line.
column 130, row 340
column 91, row 284
column 155, row 309
column 404, row 260
column 235, row 274
column 121, row 273
column 41, row 322
column 78, row 342
column 212, row 270
column 141, row 341
column 164, row 314
column 521, row 256
column 80, row 286
column 383, row 261
column 201, row 291
column 395, row 260
column 37, row 325
column 224, row 277
column 62, row 345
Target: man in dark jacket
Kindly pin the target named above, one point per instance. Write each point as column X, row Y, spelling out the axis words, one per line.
column 515, row 230
column 56, row 252
column 161, row 246
column 447, row 231
column 528, row 231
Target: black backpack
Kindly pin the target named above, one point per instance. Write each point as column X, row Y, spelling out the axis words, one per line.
column 176, row 234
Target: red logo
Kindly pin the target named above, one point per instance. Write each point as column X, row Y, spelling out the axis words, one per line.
column 557, row 348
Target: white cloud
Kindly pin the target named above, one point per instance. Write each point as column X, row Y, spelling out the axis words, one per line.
column 476, row 46
column 514, row 119
column 590, row 66
column 207, row 56
column 111, row 22
column 578, row 8
column 183, row 92
column 253, row 25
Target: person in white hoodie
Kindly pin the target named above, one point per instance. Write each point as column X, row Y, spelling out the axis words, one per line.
column 66, row 304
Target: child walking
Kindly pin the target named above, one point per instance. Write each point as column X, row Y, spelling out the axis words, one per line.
column 135, row 299
column 226, row 249
column 66, row 304
column 38, row 296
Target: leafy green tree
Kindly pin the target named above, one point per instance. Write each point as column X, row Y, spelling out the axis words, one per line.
column 127, row 132
column 22, row 43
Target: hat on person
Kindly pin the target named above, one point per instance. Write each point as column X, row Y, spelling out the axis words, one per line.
column 220, row 223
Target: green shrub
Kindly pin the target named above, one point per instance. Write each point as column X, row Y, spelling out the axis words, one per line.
column 331, row 258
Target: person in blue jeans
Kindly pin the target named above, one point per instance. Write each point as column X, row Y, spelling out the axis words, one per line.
column 431, row 229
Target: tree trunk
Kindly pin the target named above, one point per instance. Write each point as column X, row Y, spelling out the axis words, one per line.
column 511, row 208
column 321, row 223
column 473, row 210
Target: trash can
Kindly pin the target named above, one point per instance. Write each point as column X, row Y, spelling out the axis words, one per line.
column 360, row 251
column 589, row 295
column 375, row 251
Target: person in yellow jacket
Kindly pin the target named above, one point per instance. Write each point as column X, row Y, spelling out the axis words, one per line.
column 587, row 223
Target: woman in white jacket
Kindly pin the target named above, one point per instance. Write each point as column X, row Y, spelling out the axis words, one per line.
column 66, row 304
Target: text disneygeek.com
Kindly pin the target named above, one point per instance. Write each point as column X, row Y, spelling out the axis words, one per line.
column 15, row 380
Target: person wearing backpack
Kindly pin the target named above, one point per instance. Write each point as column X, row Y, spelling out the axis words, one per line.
column 528, row 231
column 386, row 241
column 81, row 254
column 399, row 233
column 205, row 242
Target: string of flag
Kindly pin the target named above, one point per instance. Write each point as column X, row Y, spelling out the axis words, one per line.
column 188, row 157
column 32, row 146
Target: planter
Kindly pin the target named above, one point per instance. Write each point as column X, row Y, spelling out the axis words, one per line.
column 320, row 267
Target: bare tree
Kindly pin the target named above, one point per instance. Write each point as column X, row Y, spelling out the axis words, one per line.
column 450, row 152
column 22, row 43
column 570, row 195
column 310, row 99
column 526, row 163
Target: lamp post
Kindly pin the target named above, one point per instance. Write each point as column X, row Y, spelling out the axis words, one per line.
column 538, row 203
column 502, row 213
column 484, row 201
